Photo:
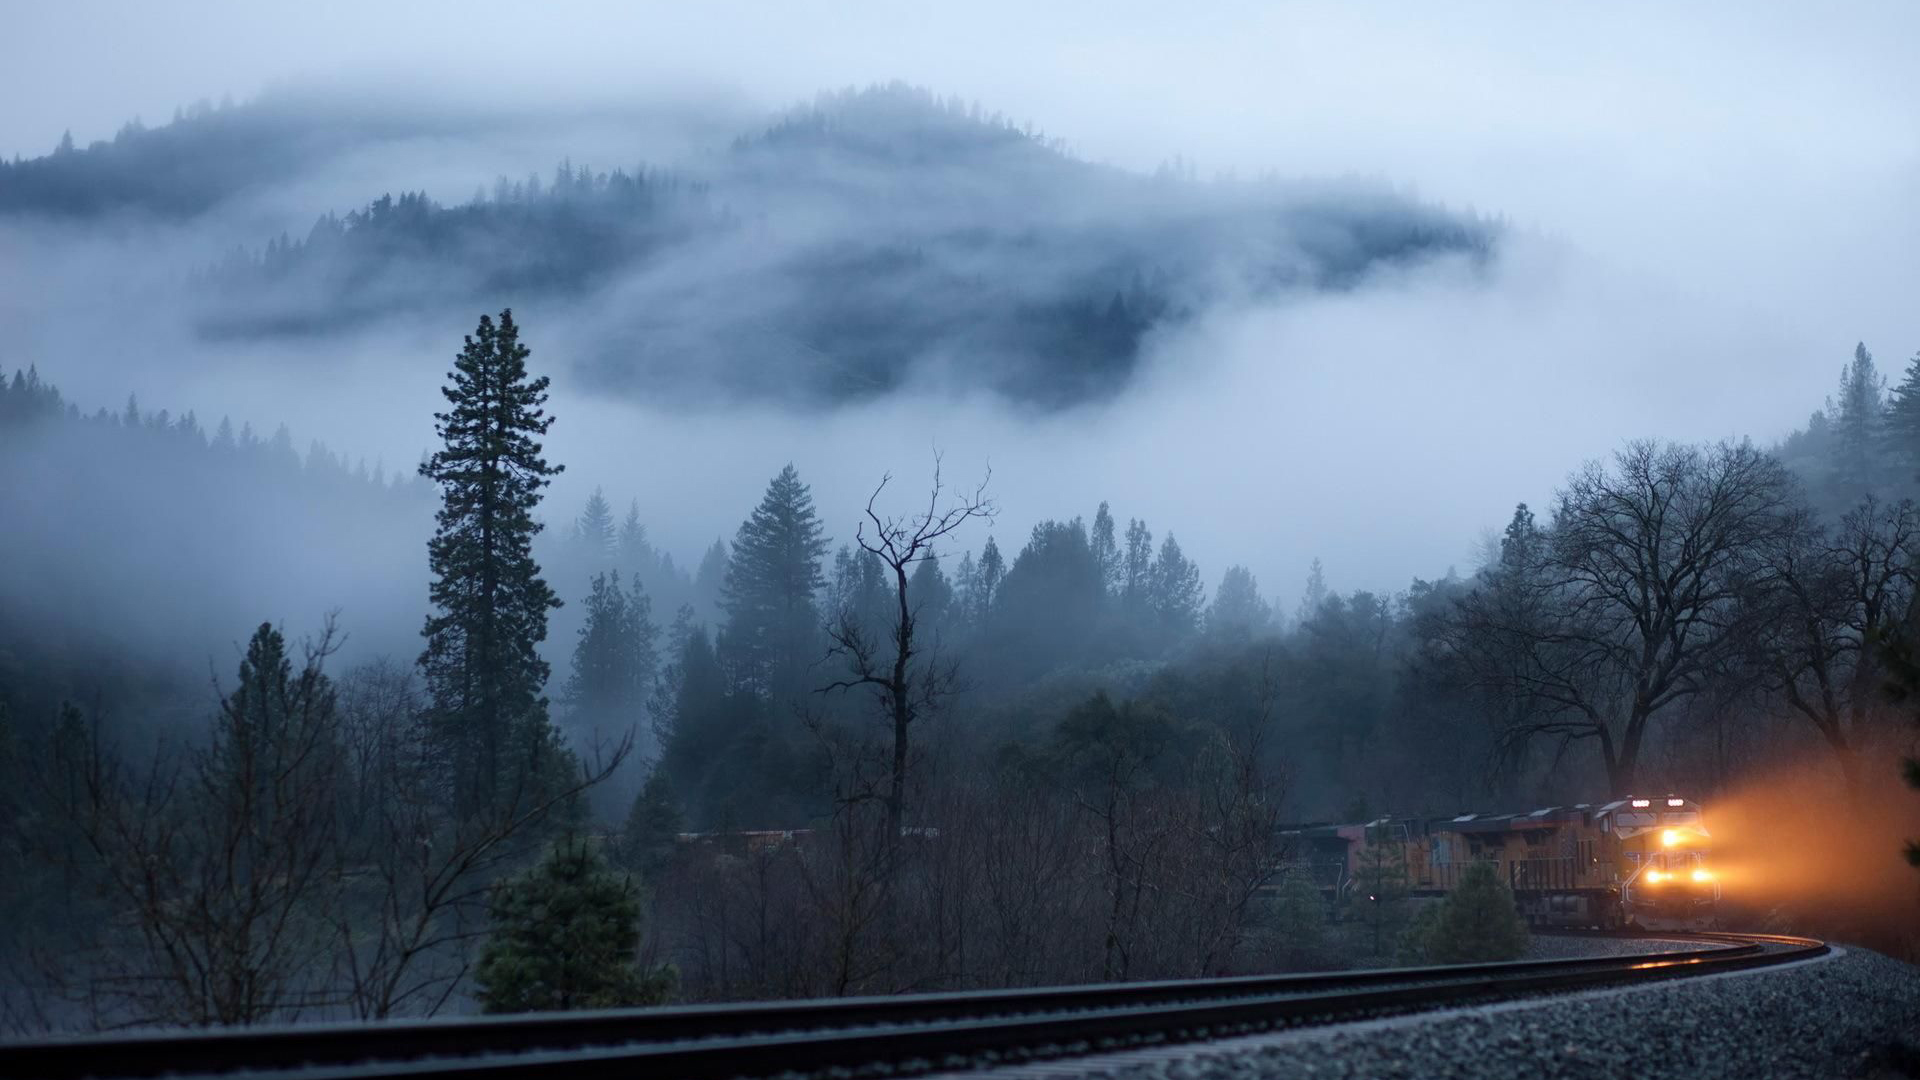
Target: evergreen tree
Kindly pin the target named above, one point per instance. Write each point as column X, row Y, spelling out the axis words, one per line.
column 632, row 551
column 1477, row 922
column 992, row 570
column 1901, row 428
column 933, row 596
column 593, row 535
column 614, row 660
column 1314, row 595
column 1176, row 590
column 1106, row 550
column 966, row 589
column 1852, row 469
column 1237, row 612
column 710, row 579
column 482, row 661
column 653, row 827
column 1519, row 546
column 1136, row 568
column 773, row 576
column 566, row 935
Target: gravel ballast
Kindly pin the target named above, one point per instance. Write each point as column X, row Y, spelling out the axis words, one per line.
column 1851, row 1014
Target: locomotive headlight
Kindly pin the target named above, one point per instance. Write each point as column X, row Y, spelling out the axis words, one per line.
column 1653, row 877
column 1670, row 837
column 1703, row 875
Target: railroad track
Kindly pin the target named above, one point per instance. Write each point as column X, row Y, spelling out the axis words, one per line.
column 873, row 1037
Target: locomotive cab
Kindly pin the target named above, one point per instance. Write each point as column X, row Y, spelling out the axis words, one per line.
column 1668, row 883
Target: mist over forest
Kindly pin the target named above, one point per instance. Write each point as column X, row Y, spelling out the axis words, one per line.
column 1289, row 483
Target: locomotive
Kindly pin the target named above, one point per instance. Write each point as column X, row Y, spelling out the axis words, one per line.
column 1635, row 862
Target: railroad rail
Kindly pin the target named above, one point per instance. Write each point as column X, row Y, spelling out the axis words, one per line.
column 875, row 1036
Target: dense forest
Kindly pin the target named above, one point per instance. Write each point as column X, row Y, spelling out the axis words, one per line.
column 904, row 757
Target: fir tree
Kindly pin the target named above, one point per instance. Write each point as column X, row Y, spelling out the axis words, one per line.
column 1176, row 590
column 992, row 570
column 1857, row 420
column 566, row 935
column 1136, row 568
column 653, row 827
column 773, row 576
column 482, row 661
column 1477, row 922
column 1237, row 612
column 1315, row 593
column 614, row 660
column 593, row 536
column 1900, row 430
column 1106, row 550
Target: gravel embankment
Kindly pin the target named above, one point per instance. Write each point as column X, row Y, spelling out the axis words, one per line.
column 1854, row 1014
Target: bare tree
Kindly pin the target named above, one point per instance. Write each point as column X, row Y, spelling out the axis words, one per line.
column 1643, row 590
column 218, row 860
column 905, row 675
column 1832, row 598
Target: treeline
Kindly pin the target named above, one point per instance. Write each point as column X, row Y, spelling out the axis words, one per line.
column 564, row 238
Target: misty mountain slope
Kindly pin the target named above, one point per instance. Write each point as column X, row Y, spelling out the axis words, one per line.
column 871, row 240
column 139, row 541
column 204, row 157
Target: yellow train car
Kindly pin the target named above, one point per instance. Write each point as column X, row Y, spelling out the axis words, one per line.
column 1639, row 861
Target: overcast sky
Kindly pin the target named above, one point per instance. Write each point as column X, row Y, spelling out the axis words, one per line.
column 1714, row 204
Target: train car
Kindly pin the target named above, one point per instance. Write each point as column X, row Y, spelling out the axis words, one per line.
column 1633, row 862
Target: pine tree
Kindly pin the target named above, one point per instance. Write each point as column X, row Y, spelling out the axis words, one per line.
column 615, row 658
column 566, row 935
column 1901, row 429
column 1477, row 922
column 1857, row 420
column 482, row 662
column 773, row 576
column 932, row 596
column 992, row 571
column 1237, row 612
column 710, row 579
column 632, row 551
column 1136, row 568
column 1176, row 590
column 1106, row 550
column 653, row 827
column 1315, row 593
column 593, row 535
column 966, row 588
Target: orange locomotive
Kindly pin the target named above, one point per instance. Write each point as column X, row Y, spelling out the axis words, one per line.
column 1636, row 861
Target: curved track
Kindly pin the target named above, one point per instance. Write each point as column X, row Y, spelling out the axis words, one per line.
column 878, row 1036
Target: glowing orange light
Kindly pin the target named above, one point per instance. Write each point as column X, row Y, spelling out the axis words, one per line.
column 1670, row 837
column 1653, row 877
column 1703, row 875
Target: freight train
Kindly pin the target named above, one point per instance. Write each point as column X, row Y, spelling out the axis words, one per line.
column 1635, row 862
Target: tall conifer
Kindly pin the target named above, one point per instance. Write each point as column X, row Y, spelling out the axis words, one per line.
column 482, row 663
column 773, row 576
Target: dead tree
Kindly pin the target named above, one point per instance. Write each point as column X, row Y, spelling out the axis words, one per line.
column 904, row 675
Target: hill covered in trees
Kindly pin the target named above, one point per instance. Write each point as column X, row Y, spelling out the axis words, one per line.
column 870, row 240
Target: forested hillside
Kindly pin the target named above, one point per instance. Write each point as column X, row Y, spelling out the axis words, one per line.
column 871, row 240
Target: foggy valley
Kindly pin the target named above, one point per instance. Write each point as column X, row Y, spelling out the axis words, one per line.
column 869, row 503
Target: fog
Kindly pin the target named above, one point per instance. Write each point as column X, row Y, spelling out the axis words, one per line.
column 1703, row 212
